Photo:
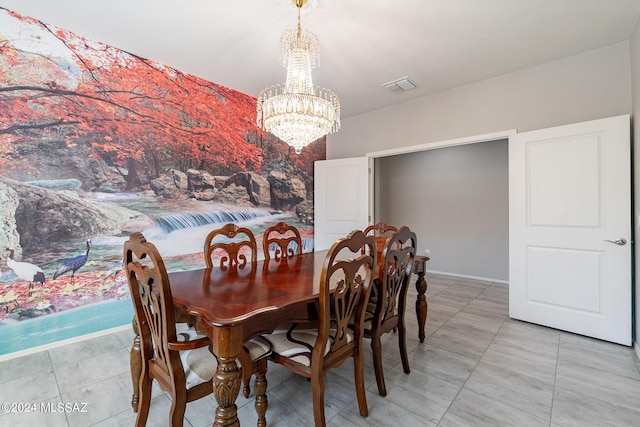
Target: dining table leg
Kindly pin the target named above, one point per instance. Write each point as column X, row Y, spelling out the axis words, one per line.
column 421, row 306
column 227, row 344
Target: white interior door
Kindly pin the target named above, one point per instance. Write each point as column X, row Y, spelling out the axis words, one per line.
column 570, row 216
column 341, row 199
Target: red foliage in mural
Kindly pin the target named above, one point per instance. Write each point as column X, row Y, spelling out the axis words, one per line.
column 131, row 110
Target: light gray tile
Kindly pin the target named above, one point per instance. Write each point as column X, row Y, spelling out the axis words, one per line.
column 607, row 387
column 382, row 413
column 529, row 337
column 440, row 279
column 202, row 412
column 461, row 295
column 42, row 414
column 472, row 409
column 126, row 337
column 523, row 392
column 438, row 315
column 443, row 303
column 521, row 361
column 595, row 355
column 158, row 415
column 25, row 366
column 571, row 408
column 81, row 373
column 434, row 288
column 454, row 340
column 452, row 367
column 424, row 395
column 85, row 349
column 472, row 322
column 487, row 308
column 278, row 415
column 471, row 284
column 35, row 388
column 346, row 371
column 103, row 400
column 296, row 394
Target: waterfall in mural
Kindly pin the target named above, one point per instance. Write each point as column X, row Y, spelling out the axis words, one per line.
column 169, row 223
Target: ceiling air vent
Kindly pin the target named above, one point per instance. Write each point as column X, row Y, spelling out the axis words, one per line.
column 401, row 85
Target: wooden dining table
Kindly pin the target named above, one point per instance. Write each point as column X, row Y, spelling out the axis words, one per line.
column 233, row 306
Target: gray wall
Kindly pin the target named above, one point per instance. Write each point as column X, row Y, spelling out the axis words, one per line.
column 589, row 86
column 456, row 199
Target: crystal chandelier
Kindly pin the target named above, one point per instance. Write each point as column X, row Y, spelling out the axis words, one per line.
column 298, row 113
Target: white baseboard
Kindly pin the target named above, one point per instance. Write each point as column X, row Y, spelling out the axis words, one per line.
column 52, row 345
column 636, row 347
column 465, row 276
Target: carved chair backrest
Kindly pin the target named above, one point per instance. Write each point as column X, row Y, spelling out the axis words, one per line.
column 283, row 240
column 153, row 304
column 235, row 246
column 396, row 268
column 380, row 233
column 348, row 268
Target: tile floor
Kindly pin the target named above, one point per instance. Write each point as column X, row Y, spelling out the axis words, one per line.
column 476, row 368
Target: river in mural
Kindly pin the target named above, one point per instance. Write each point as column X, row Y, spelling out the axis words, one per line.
column 98, row 296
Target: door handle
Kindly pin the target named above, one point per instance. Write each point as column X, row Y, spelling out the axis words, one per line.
column 621, row 241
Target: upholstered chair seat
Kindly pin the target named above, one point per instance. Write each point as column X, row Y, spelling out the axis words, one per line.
column 296, row 341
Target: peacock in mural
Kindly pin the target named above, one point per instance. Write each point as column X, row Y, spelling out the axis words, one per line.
column 73, row 264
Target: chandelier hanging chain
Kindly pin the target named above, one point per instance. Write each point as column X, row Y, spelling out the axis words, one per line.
column 299, row 4
column 297, row 112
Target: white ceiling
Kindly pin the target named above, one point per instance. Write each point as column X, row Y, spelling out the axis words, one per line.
column 439, row 44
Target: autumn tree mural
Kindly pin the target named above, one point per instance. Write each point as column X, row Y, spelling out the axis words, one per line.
column 96, row 143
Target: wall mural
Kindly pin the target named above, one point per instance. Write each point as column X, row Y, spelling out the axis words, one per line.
column 96, row 143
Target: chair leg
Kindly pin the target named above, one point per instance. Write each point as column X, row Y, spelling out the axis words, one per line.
column 317, row 387
column 402, row 341
column 178, row 407
column 361, row 393
column 145, row 401
column 245, row 360
column 246, row 389
column 260, row 386
column 135, row 361
column 376, row 347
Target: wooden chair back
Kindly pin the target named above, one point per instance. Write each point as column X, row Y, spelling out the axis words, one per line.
column 155, row 318
column 235, row 246
column 397, row 264
column 380, row 229
column 283, row 240
column 388, row 309
column 350, row 272
column 380, row 232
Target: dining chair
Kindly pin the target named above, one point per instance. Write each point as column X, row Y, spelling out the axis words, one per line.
column 386, row 312
column 313, row 349
column 180, row 361
column 231, row 246
column 281, row 241
column 380, row 232
column 235, row 249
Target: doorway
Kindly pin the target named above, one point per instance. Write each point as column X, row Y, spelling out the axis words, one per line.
column 459, row 205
